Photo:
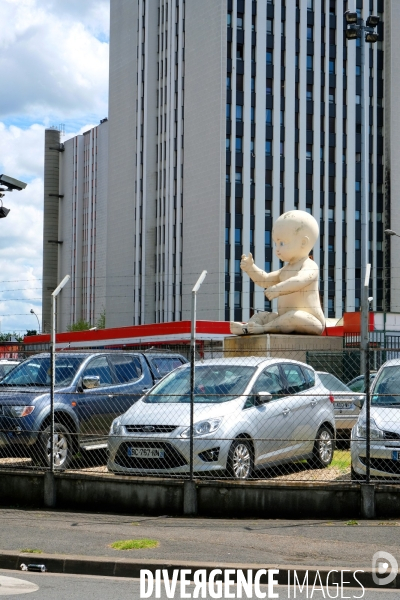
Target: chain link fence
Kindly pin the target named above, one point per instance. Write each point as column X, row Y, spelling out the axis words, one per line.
column 140, row 413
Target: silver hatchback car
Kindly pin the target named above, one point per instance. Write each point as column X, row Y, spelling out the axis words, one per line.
column 249, row 413
column 384, row 427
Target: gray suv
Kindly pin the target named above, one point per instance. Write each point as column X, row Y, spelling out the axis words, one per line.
column 91, row 390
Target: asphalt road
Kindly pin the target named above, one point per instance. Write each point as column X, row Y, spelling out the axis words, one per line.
column 78, row 587
column 311, row 543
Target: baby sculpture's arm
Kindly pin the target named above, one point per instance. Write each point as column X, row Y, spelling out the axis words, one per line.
column 304, row 277
column 259, row 276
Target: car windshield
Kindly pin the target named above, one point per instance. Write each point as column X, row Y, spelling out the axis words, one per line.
column 213, row 384
column 387, row 388
column 332, row 383
column 36, row 371
column 358, row 384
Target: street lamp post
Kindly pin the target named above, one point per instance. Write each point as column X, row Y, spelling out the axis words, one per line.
column 33, row 313
column 366, row 33
column 391, row 232
column 53, row 365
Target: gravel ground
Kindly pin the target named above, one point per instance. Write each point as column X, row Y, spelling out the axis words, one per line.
column 338, row 471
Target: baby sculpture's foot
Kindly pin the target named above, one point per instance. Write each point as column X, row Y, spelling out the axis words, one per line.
column 253, row 327
column 238, row 328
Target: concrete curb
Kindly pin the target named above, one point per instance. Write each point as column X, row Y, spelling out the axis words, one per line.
column 121, row 567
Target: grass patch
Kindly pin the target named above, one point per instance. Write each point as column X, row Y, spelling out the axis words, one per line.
column 134, row 544
column 341, row 460
column 31, row 551
column 351, row 523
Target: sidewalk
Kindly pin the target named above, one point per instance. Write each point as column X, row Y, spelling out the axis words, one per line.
column 328, row 544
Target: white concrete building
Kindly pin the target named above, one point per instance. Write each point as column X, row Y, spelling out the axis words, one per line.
column 223, row 115
column 81, row 235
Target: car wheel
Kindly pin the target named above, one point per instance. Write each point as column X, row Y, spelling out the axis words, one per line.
column 63, row 447
column 323, row 449
column 240, row 459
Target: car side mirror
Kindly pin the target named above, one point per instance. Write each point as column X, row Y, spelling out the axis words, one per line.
column 359, row 401
column 263, row 398
column 90, row 382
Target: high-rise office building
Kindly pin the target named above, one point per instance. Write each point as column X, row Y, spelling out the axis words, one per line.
column 75, row 225
column 223, row 115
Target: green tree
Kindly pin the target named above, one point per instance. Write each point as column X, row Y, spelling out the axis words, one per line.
column 8, row 337
column 101, row 321
column 80, row 325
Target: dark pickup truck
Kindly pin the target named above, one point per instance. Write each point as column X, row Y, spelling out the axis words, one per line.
column 91, row 390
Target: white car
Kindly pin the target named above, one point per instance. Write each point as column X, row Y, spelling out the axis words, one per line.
column 384, row 424
column 346, row 403
column 6, row 365
column 249, row 413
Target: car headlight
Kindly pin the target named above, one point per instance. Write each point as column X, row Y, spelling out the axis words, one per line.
column 361, row 430
column 203, row 427
column 18, row 411
column 116, row 427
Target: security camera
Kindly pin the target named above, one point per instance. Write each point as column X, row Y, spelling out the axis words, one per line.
column 4, row 212
column 11, row 183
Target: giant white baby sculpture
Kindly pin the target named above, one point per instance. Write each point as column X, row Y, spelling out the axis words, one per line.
column 295, row 284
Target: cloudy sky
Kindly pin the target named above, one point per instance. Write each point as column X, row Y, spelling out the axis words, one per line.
column 54, row 66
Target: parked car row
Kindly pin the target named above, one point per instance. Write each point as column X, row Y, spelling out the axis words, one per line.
column 91, row 390
column 249, row 413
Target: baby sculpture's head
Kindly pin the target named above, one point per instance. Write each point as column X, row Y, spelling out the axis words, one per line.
column 294, row 234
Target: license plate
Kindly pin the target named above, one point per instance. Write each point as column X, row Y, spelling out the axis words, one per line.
column 395, row 455
column 343, row 405
column 146, row 452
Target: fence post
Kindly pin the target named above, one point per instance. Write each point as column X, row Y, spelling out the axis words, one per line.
column 52, row 379
column 364, row 347
column 50, row 489
column 192, row 361
column 189, row 489
column 367, row 416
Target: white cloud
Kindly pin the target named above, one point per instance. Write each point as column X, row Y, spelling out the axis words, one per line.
column 56, row 55
column 21, row 257
column 21, row 156
column 58, row 67
column 22, row 150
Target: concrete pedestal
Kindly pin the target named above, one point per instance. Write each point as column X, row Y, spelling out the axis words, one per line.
column 296, row 347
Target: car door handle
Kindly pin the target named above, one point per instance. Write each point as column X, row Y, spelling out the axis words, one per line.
column 313, row 402
column 146, row 389
column 110, row 395
column 286, row 411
